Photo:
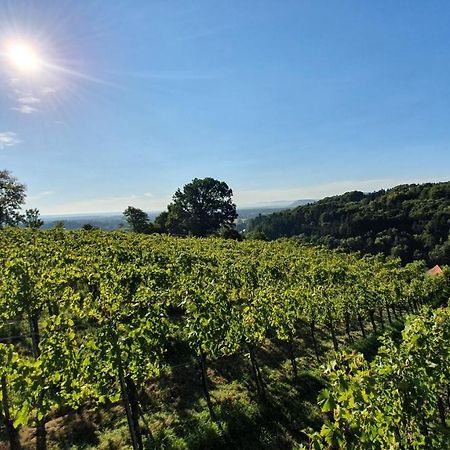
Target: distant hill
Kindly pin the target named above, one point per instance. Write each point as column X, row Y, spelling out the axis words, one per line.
column 409, row 221
column 105, row 221
column 247, row 213
column 268, row 208
column 113, row 221
column 305, row 201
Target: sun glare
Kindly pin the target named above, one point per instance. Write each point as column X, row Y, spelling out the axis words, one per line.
column 23, row 57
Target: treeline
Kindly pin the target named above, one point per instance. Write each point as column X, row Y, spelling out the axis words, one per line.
column 410, row 221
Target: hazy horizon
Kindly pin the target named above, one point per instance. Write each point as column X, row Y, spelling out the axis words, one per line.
column 311, row 193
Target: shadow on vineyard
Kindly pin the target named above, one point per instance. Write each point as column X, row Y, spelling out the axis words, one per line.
column 369, row 345
column 245, row 421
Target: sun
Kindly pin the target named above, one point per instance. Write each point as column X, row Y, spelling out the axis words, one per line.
column 23, row 57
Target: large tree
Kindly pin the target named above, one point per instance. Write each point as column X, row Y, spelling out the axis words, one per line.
column 32, row 219
column 202, row 208
column 138, row 220
column 12, row 197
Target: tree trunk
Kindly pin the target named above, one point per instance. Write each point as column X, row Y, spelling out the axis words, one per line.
column 256, row 372
column 395, row 312
column 33, row 320
column 53, row 310
column 441, row 409
column 361, row 325
column 389, row 314
column 134, row 403
column 133, row 424
column 347, row 327
column 41, row 432
column 205, row 386
column 333, row 335
column 292, row 356
column 147, row 426
column 372, row 321
column 41, row 435
column 313, row 336
column 380, row 313
column 12, row 433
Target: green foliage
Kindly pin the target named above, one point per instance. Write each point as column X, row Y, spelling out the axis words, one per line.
column 12, row 197
column 32, row 219
column 58, row 225
column 160, row 222
column 256, row 235
column 200, row 209
column 229, row 233
column 89, row 227
column 409, row 222
column 138, row 220
column 396, row 401
column 95, row 310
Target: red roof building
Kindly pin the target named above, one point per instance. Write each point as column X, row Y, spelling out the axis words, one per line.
column 436, row 270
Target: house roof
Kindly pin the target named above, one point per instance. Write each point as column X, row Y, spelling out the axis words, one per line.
column 436, row 270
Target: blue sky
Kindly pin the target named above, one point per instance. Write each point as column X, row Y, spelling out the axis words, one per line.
column 281, row 99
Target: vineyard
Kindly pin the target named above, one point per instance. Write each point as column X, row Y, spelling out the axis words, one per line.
column 399, row 400
column 89, row 318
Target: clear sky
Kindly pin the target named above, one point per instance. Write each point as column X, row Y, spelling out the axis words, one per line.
column 281, row 99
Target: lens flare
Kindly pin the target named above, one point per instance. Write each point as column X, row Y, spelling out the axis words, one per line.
column 23, row 57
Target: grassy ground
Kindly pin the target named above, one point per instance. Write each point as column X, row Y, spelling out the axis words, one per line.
column 176, row 415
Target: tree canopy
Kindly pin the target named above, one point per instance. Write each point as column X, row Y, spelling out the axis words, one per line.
column 138, row 220
column 201, row 208
column 12, row 197
column 32, row 219
column 408, row 221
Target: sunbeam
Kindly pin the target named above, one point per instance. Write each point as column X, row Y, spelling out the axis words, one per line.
column 76, row 74
column 23, row 57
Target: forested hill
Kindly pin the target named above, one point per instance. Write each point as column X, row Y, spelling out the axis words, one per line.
column 411, row 221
